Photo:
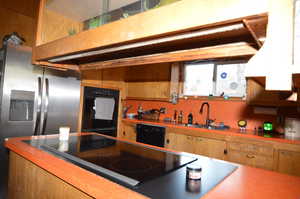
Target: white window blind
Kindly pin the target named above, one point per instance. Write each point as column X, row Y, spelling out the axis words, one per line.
column 198, row 79
column 215, row 79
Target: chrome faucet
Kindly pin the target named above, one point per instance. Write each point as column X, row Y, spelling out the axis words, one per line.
column 207, row 121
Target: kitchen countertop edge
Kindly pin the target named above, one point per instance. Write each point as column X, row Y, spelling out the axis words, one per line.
column 229, row 132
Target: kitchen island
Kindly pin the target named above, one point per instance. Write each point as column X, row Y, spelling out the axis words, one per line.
column 35, row 173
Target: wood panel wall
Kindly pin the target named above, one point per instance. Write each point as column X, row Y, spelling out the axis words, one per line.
column 18, row 16
column 107, row 78
column 150, row 82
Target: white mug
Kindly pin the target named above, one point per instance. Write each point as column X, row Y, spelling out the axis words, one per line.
column 64, row 132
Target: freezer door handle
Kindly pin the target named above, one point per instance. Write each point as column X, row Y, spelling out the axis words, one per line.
column 46, row 106
column 39, row 104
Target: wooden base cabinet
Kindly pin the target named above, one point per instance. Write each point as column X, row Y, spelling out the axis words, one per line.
column 289, row 162
column 210, row 147
column 129, row 132
column 26, row 180
column 250, row 159
column 197, row 145
column 254, row 155
column 179, row 142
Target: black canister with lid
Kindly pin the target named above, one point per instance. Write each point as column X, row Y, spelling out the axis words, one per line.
column 194, row 172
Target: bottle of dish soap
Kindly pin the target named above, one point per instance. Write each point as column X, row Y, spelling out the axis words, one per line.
column 190, row 118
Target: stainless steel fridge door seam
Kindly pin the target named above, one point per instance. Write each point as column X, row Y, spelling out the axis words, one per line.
column 46, row 105
column 39, row 107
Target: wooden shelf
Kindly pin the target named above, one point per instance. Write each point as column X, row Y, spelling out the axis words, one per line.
column 155, row 31
column 241, row 49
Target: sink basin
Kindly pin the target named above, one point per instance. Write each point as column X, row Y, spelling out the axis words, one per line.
column 215, row 127
column 224, row 127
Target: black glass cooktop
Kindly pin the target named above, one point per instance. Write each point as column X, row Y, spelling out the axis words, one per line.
column 123, row 162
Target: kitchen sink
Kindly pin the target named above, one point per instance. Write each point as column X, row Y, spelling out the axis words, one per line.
column 215, row 127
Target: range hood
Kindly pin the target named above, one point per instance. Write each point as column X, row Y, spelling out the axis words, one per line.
column 274, row 61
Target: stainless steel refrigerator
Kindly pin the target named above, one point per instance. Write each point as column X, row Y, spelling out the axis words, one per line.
column 34, row 100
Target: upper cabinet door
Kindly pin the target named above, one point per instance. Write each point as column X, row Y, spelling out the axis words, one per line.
column 62, row 18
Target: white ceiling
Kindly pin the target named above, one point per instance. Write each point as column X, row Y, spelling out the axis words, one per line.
column 81, row 10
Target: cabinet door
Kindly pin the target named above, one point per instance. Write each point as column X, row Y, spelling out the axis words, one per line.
column 250, row 159
column 257, row 95
column 179, row 142
column 129, row 133
column 149, row 82
column 210, row 147
column 289, row 162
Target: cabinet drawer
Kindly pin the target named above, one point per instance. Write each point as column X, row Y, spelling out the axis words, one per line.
column 253, row 148
column 129, row 133
column 250, row 159
column 289, row 162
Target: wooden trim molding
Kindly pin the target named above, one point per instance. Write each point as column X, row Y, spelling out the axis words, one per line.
column 175, row 75
column 221, row 51
column 252, row 32
column 38, row 29
column 58, row 66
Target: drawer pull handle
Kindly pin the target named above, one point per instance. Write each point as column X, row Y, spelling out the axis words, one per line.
column 225, row 151
column 250, row 156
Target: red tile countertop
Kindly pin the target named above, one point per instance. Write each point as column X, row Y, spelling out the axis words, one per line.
column 231, row 131
column 244, row 183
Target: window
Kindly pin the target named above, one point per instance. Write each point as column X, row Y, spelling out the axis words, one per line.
column 215, row 79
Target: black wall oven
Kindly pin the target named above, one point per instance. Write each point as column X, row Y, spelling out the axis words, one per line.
column 100, row 110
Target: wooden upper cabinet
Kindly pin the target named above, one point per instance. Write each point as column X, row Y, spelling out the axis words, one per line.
column 71, row 34
column 257, row 95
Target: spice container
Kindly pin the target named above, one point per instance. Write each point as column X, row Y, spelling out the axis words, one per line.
column 194, row 172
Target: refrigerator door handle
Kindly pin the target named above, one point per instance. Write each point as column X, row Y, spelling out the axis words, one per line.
column 39, row 102
column 46, row 106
